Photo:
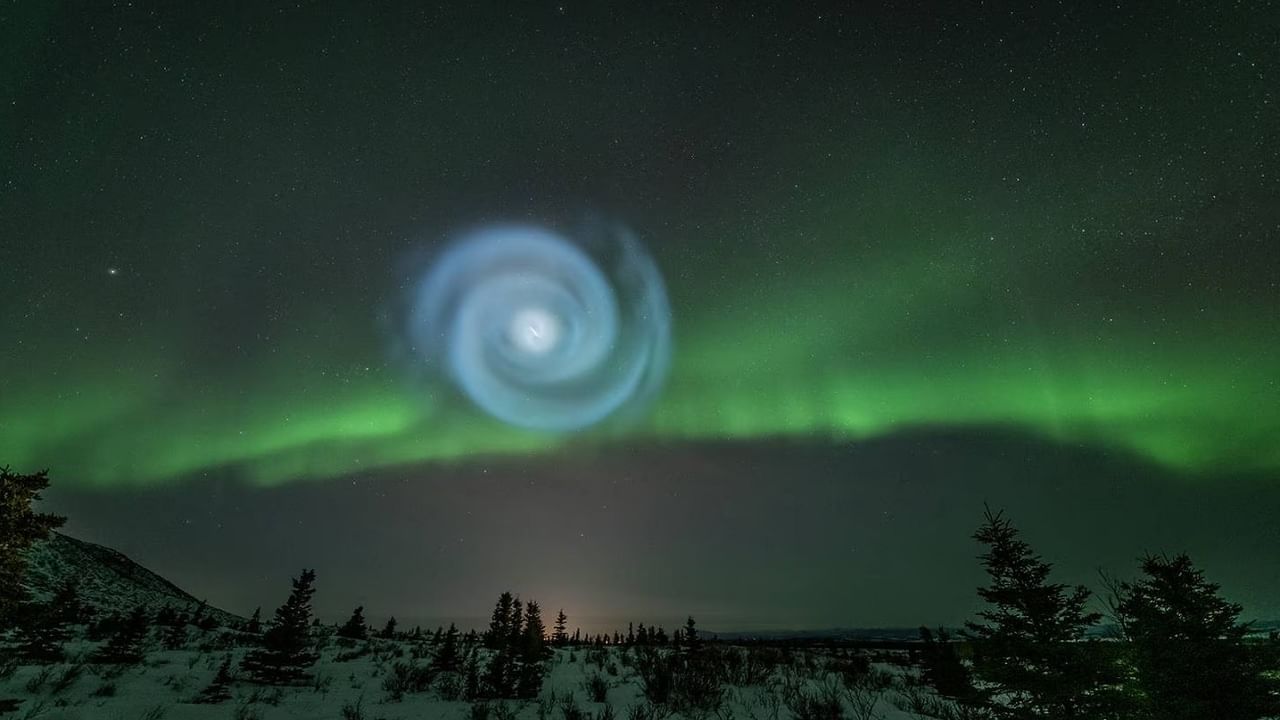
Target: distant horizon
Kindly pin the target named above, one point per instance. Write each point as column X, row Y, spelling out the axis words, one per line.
column 709, row 622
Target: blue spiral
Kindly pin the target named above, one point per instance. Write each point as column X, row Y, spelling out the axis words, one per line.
column 542, row 330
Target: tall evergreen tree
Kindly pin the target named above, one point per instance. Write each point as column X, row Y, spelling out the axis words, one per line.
column 499, row 631
column 355, row 627
column 1188, row 648
column 503, row 639
column 515, row 625
column 389, row 630
column 448, row 656
column 287, row 648
column 560, row 637
column 1029, row 648
column 20, row 528
column 532, row 653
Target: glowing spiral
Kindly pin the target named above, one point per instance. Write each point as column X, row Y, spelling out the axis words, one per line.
column 543, row 330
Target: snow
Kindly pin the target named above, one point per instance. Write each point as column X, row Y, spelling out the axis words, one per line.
column 164, row 686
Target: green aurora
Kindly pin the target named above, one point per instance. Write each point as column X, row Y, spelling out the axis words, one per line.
column 869, row 346
column 880, row 250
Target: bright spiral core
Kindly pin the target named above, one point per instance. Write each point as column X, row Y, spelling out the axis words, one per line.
column 542, row 330
column 534, row 330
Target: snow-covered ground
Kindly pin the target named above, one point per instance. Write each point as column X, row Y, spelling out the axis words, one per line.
column 168, row 681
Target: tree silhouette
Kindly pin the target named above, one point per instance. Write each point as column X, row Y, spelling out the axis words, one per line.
column 355, row 627
column 125, row 645
column 448, row 657
column 499, row 631
column 1028, row 649
column 67, row 605
column 560, row 638
column 942, row 669
column 287, row 649
column 20, row 528
column 532, row 652
column 503, row 639
column 219, row 689
column 254, row 626
column 40, row 632
column 690, row 635
column 1188, row 648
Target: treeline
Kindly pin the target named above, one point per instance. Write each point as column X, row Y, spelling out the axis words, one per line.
column 1180, row 651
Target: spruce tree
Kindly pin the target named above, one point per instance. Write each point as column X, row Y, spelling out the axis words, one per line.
column 500, row 624
column 125, row 645
column 254, row 626
column 690, row 635
column 503, row 639
column 219, row 689
column 448, row 656
column 515, row 625
column 287, row 648
column 532, row 653
column 389, row 630
column 942, row 669
column 355, row 627
column 67, row 605
column 472, row 684
column 1188, row 648
column 40, row 633
column 560, row 638
column 202, row 618
column 20, row 528
column 1029, row 648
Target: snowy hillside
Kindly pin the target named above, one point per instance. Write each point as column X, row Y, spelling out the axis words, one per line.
column 105, row 578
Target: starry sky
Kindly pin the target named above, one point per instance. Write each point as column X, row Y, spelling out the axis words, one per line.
column 916, row 260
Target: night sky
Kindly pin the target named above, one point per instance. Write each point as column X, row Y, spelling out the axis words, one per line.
column 916, row 261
